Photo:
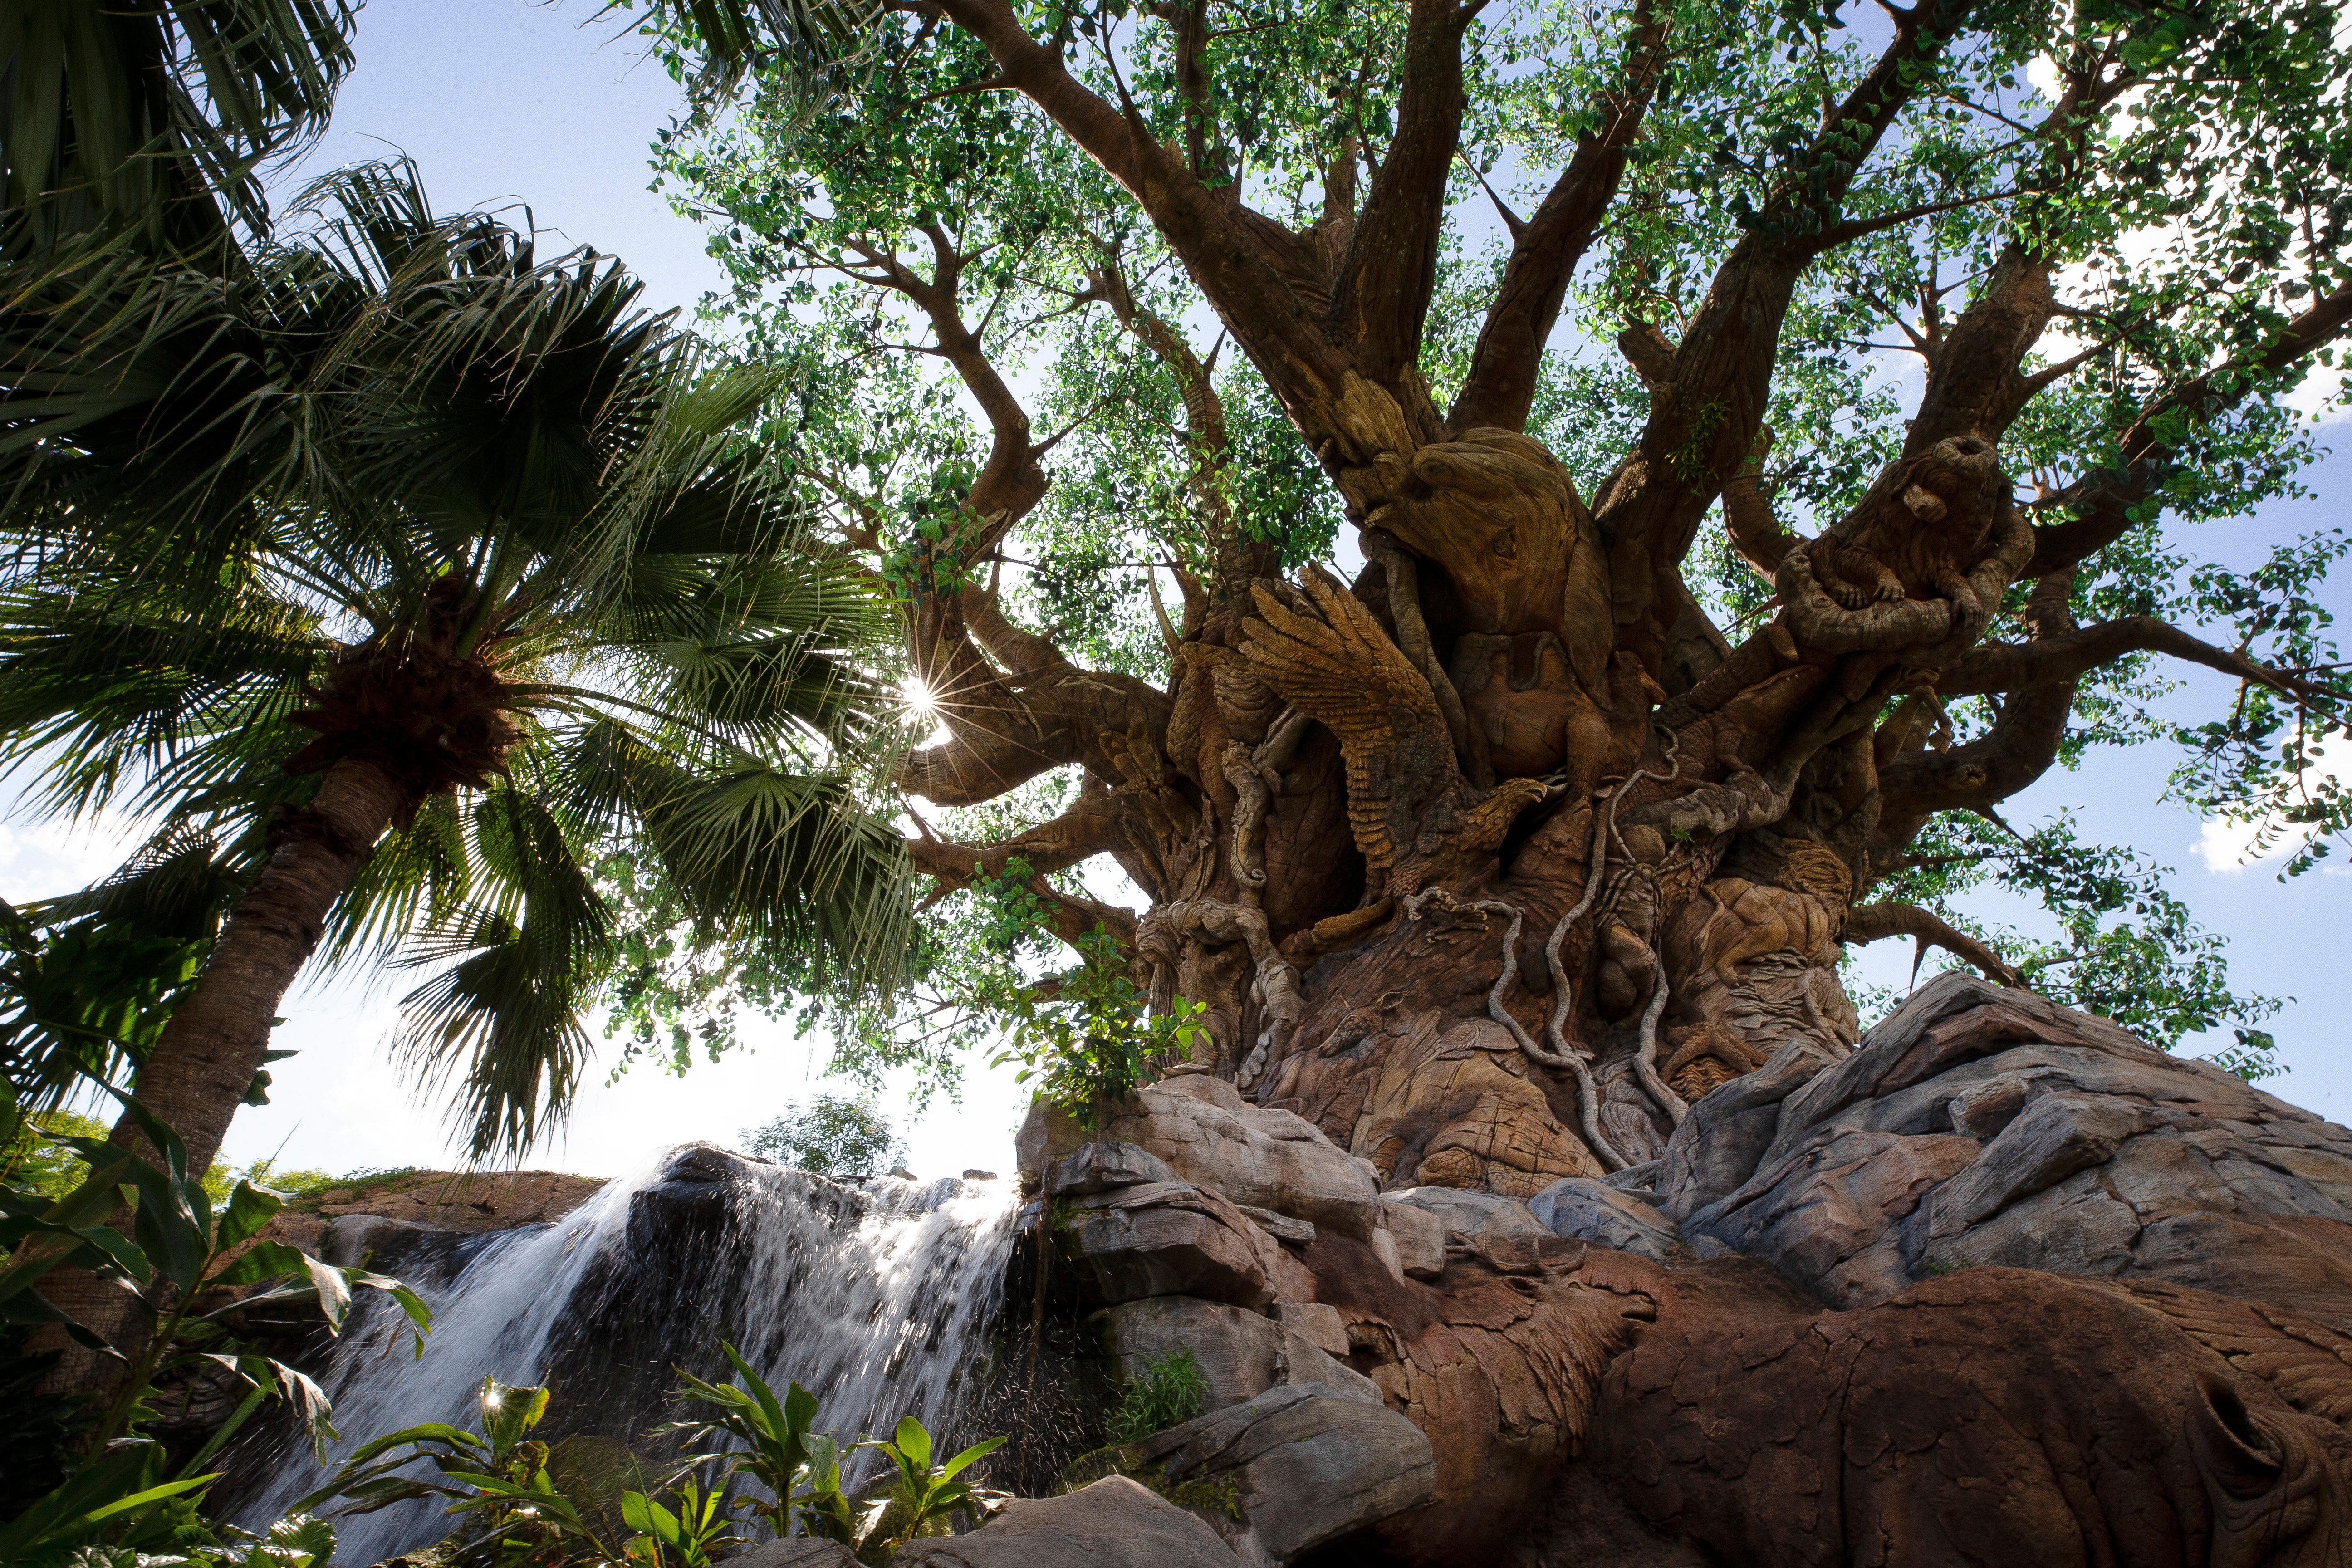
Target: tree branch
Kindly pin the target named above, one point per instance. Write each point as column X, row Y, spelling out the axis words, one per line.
column 1501, row 385
column 2011, row 667
column 1382, row 294
column 2104, row 505
column 1873, row 923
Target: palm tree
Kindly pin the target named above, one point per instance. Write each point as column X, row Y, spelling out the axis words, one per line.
column 415, row 571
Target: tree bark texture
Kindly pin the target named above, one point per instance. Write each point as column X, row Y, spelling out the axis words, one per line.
column 203, row 1064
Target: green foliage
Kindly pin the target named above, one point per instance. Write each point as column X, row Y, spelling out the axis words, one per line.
column 838, row 1135
column 1169, row 1390
column 778, row 1448
column 521, row 1500
column 924, row 1496
column 2127, row 948
column 179, row 1255
column 1088, row 1038
column 468, row 443
column 800, row 1468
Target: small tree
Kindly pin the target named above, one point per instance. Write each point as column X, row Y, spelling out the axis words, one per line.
column 833, row 1135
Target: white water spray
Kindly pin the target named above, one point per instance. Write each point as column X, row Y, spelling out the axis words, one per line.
column 870, row 1297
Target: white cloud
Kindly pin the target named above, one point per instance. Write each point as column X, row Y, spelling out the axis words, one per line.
column 2227, row 843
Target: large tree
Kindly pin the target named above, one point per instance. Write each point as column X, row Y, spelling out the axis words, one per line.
column 1769, row 438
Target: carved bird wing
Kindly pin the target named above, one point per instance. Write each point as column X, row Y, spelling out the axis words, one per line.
column 1343, row 671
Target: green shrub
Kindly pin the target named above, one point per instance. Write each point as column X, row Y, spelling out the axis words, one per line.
column 833, row 1135
column 1171, row 1390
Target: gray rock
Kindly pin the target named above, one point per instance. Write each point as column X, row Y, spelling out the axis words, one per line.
column 1304, row 1467
column 1584, row 1209
column 1723, row 1139
column 1268, row 1159
column 1419, row 1235
column 1241, row 1353
column 1983, row 1125
column 1478, row 1219
column 1114, row 1523
column 1281, row 1226
column 1102, row 1167
column 1170, row 1238
column 800, row 1551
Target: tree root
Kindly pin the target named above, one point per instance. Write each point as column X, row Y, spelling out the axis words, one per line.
column 1159, row 938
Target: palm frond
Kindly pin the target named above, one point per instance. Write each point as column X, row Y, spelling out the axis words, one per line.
column 809, row 51
column 145, row 113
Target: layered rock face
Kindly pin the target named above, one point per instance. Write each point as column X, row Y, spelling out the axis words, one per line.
column 2002, row 1285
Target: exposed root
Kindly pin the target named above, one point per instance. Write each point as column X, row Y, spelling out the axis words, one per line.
column 1645, row 1060
column 1160, row 937
column 1564, row 1057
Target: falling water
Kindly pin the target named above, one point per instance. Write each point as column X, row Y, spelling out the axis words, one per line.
column 872, row 1297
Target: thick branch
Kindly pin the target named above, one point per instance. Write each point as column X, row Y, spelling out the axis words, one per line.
column 1223, row 244
column 1093, row 826
column 2104, row 505
column 1381, row 295
column 1873, row 922
column 1501, row 385
column 2019, row 748
column 2011, row 667
column 1703, row 423
column 1006, row 730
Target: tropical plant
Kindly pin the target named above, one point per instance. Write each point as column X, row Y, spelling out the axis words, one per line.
column 800, row 1468
column 521, row 1500
column 842, row 1135
column 485, row 579
column 1171, row 1389
column 124, row 1497
column 152, row 119
column 182, row 1255
column 496, row 1480
column 777, row 1445
column 684, row 1537
column 923, row 1496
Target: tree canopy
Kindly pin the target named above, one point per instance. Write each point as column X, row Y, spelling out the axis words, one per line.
column 1078, row 298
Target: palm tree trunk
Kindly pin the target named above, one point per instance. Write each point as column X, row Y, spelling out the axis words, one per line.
column 200, row 1068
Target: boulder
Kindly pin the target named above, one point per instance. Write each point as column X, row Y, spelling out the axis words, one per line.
column 1418, row 1235
column 1289, row 1471
column 1268, row 1159
column 1477, row 1220
column 1171, row 1238
column 799, row 1551
column 1114, row 1523
column 1318, row 1322
column 1579, row 1208
column 1984, row 1125
column 1102, row 1167
column 1241, row 1353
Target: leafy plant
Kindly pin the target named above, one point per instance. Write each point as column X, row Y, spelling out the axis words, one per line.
column 1089, row 1038
column 832, row 1135
column 496, row 1479
column 923, row 1496
column 181, row 1252
column 779, row 1448
column 684, row 1537
column 801, row 1468
column 1171, row 1389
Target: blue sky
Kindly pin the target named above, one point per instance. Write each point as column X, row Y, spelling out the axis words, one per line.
column 508, row 102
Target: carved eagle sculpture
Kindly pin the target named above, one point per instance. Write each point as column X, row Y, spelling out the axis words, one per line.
column 1415, row 818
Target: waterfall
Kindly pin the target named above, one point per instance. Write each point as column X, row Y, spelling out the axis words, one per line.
column 872, row 1297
